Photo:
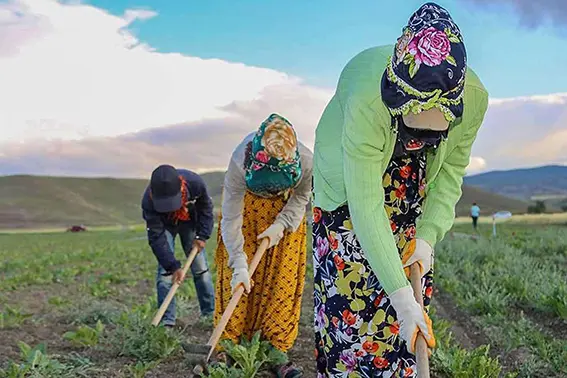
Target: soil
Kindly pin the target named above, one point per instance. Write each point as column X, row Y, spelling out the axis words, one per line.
column 549, row 324
column 470, row 336
column 464, row 330
column 49, row 323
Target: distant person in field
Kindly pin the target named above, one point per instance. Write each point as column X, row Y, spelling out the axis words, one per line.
column 266, row 190
column 475, row 213
column 176, row 202
column 391, row 150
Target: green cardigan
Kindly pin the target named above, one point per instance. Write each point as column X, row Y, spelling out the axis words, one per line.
column 353, row 145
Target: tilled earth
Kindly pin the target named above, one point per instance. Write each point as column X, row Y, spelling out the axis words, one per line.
column 48, row 325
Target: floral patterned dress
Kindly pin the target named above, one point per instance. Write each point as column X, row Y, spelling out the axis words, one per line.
column 356, row 329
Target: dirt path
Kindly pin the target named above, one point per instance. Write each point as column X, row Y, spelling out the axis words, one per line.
column 470, row 336
column 465, row 331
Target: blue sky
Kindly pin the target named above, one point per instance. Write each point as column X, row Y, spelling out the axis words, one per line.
column 315, row 39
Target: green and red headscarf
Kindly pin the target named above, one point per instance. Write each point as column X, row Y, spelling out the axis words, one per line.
column 272, row 162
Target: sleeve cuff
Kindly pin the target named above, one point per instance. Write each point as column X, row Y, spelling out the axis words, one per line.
column 173, row 267
column 427, row 235
column 239, row 261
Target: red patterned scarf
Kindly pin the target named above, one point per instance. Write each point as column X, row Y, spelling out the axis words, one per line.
column 183, row 213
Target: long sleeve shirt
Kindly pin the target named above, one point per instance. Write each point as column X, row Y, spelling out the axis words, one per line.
column 201, row 218
column 353, row 146
column 234, row 190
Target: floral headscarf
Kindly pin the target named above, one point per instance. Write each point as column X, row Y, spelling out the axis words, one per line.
column 272, row 163
column 428, row 66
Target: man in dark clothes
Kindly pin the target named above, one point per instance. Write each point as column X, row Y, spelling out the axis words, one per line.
column 176, row 202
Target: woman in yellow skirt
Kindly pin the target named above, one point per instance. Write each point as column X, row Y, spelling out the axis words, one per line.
column 266, row 190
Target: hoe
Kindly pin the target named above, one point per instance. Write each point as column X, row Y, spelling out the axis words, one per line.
column 199, row 354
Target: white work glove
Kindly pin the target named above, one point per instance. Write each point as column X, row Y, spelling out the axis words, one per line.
column 240, row 275
column 412, row 319
column 274, row 233
column 418, row 250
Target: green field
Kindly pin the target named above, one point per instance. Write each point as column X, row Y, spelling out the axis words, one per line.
column 80, row 305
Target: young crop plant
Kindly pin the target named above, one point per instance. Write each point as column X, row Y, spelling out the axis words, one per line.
column 85, row 336
column 249, row 357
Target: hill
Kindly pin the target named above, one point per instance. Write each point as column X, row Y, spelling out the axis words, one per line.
column 489, row 203
column 43, row 201
column 547, row 183
column 48, row 202
column 523, row 183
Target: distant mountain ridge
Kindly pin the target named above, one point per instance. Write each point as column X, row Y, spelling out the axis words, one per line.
column 48, row 202
column 523, row 183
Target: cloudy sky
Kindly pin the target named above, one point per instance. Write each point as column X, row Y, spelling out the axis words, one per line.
column 115, row 87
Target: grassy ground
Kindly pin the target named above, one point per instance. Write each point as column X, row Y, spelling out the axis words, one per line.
column 527, row 220
column 89, row 298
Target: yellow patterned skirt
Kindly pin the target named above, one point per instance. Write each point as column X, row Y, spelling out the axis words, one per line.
column 274, row 304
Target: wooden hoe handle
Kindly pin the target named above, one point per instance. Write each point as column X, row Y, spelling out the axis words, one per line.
column 219, row 329
column 174, row 287
column 421, row 350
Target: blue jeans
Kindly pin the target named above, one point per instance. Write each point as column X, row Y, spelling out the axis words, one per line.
column 201, row 276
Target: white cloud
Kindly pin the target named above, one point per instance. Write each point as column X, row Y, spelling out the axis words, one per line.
column 555, row 99
column 138, row 14
column 73, row 70
column 523, row 132
column 476, row 164
column 81, row 95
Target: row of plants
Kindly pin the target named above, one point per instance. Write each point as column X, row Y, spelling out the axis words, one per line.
column 508, row 288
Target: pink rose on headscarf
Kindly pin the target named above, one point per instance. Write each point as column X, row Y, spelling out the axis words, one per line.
column 262, row 156
column 430, row 47
column 256, row 167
